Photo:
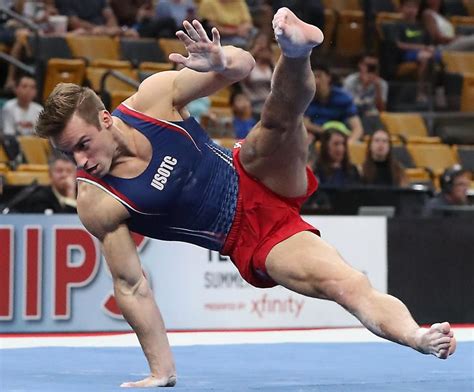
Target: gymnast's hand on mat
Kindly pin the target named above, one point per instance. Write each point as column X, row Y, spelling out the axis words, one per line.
column 151, row 382
column 203, row 54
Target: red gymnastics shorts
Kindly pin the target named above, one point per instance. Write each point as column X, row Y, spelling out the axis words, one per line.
column 262, row 220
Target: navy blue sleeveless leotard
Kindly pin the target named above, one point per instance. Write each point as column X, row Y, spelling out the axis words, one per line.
column 189, row 190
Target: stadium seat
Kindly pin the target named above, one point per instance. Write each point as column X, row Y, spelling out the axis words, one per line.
column 409, row 125
column 357, row 153
column 436, row 157
column 458, row 62
column 329, row 29
column 401, row 154
column 418, row 175
column 34, row 149
column 94, row 76
column 63, row 71
column 3, row 155
column 343, row 5
column 3, row 169
column 118, row 96
column 221, row 98
column 350, row 34
column 154, row 67
column 27, row 177
column 111, row 64
column 32, row 167
column 469, row 5
column 171, row 45
column 466, row 156
column 141, row 50
column 467, row 97
column 93, row 47
column 386, row 17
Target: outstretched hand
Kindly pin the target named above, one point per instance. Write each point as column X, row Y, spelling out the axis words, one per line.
column 203, row 54
column 151, row 382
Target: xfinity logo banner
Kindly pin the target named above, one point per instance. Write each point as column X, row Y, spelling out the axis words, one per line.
column 53, row 278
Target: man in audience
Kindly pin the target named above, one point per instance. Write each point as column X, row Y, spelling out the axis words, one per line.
column 331, row 103
column 455, row 183
column 21, row 113
column 60, row 196
column 242, row 120
column 414, row 43
column 368, row 89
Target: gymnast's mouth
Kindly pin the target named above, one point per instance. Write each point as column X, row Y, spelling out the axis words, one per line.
column 92, row 169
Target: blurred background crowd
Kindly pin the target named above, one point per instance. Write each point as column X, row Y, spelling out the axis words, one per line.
column 390, row 129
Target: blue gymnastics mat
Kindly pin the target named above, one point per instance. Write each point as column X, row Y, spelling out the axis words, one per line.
column 295, row 367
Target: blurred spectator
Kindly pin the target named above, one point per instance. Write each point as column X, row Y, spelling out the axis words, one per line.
column 257, row 85
column 413, row 42
column 380, row 167
column 178, row 10
column 92, row 17
column 232, row 19
column 15, row 35
column 368, row 89
column 440, row 29
column 60, row 196
column 21, row 113
column 139, row 16
column 243, row 121
column 455, row 183
column 331, row 103
column 334, row 167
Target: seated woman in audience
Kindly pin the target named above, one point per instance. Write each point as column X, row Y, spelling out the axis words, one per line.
column 441, row 30
column 333, row 166
column 380, row 167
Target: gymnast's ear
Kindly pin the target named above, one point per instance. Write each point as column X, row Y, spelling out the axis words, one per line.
column 105, row 119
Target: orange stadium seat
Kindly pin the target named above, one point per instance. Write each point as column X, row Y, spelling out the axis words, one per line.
column 93, row 47
column 35, row 149
column 221, row 98
column 408, row 125
column 350, row 33
column 469, row 5
column 27, row 177
column 329, row 28
column 436, row 157
column 171, row 45
column 118, row 96
column 94, row 76
column 63, row 71
column 458, row 62
column 467, row 95
column 155, row 67
column 343, row 5
column 3, row 155
column 357, row 153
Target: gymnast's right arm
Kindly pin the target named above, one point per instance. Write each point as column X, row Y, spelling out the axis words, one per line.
column 104, row 218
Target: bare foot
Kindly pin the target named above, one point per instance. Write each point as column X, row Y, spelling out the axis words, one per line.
column 438, row 340
column 151, row 382
column 295, row 37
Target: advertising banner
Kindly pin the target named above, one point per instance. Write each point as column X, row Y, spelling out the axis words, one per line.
column 54, row 279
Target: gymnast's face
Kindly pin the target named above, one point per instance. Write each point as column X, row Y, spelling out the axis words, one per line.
column 92, row 148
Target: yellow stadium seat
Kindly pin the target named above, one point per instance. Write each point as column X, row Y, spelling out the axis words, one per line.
column 467, row 95
column 458, row 62
column 118, row 96
column 26, row 177
column 357, row 153
column 32, row 167
column 343, row 5
column 93, row 47
column 155, row 67
column 3, row 169
column 436, row 157
column 3, row 155
column 34, row 149
column 111, row 64
column 417, row 174
column 350, row 33
column 94, row 76
column 221, row 98
column 171, row 45
column 329, row 28
column 409, row 125
column 63, row 71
